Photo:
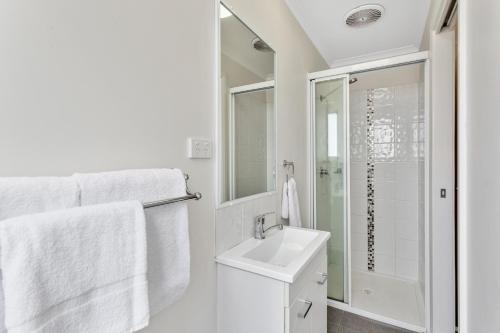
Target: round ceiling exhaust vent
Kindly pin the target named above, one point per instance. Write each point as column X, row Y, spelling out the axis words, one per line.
column 363, row 15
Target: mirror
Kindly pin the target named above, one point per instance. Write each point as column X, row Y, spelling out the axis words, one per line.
column 247, row 111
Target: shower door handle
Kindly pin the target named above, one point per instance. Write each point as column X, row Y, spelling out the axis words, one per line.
column 324, row 278
column 323, row 172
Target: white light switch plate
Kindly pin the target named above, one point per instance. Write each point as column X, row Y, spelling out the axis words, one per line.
column 199, row 148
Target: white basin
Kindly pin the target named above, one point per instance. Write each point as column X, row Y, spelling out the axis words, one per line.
column 283, row 247
column 281, row 255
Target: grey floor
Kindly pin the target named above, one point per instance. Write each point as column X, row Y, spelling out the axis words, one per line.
column 345, row 322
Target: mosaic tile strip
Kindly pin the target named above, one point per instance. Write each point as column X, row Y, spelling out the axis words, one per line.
column 370, row 164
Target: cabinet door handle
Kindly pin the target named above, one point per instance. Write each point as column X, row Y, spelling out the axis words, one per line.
column 309, row 305
column 324, row 278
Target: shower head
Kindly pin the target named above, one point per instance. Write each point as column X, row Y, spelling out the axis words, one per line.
column 260, row 45
column 324, row 97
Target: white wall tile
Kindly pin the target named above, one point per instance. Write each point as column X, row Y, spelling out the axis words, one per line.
column 384, row 189
column 384, row 208
column 358, row 188
column 384, row 171
column 407, row 211
column 359, row 241
column 358, row 205
column 384, row 238
column 229, row 228
column 359, row 223
column 398, row 131
column 359, row 260
column 236, row 223
column 407, row 190
column 406, row 230
column 384, row 264
column 407, row 268
column 407, row 249
column 358, row 172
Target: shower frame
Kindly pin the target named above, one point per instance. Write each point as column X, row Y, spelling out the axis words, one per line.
column 345, row 72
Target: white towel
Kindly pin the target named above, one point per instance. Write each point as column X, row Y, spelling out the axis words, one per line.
column 293, row 204
column 166, row 226
column 29, row 195
column 284, row 201
column 76, row 270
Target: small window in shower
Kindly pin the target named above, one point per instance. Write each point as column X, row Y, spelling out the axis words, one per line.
column 332, row 135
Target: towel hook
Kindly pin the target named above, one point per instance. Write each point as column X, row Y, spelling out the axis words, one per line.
column 288, row 165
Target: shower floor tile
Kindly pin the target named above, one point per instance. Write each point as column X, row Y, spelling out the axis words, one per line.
column 389, row 297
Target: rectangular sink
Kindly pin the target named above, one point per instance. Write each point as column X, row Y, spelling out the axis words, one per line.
column 282, row 247
column 281, row 255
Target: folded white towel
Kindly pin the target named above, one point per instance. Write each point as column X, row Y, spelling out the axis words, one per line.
column 76, row 270
column 284, row 201
column 166, row 226
column 293, row 204
column 30, row 195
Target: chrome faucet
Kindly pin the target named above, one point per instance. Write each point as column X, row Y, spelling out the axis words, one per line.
column 260, row 232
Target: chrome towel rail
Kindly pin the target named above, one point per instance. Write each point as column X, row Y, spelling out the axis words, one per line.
column 188, row 196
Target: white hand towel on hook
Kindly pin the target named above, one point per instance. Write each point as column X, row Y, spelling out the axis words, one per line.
column 293, row 204
column 166, row 226
column 284, row 201
column 30, row 195
column 76, row 270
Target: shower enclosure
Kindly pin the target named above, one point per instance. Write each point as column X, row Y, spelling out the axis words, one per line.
column 369, row 187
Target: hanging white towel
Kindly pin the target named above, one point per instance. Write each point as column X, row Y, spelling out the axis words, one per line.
column 76, row 270
column 30, row 195
column 293, row 204
column 166, row 226
column 284, row 201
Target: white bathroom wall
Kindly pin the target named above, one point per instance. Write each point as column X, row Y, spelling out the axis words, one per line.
column 103, row 85
column 478, row 164
column 295, row 57
column 443, row 67
column 397, row 151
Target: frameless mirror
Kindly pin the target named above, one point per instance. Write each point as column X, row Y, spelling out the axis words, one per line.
column 247, row 111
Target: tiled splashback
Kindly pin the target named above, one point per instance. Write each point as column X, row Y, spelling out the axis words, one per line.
column 236, row 223
column 386, row 205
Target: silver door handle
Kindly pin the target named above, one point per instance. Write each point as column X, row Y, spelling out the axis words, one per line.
column 309, row 305
column 324, row 278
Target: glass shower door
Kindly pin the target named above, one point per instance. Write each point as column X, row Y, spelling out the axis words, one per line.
column 330, row 177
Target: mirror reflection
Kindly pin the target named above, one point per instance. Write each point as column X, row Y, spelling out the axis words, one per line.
column 247, row 110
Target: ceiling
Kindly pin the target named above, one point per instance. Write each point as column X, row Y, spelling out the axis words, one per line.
column 399, row 31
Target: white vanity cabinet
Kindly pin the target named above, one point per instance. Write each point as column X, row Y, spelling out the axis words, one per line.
column 255, row 303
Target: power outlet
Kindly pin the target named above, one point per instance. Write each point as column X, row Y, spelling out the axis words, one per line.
column 199, row 148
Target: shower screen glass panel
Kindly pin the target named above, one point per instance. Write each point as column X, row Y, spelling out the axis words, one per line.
column 330, row 180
